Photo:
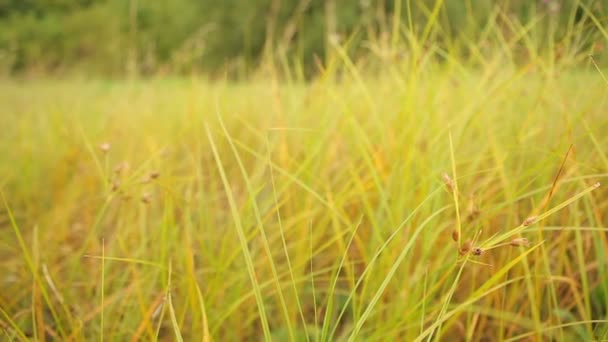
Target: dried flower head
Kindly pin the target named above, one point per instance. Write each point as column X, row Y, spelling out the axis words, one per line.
column 104, row 147
column 449, row 182
column 529, row 221
column 455, row 235
column 477, row 251
column 520, row 242
column 465, row 247
column 115, row 185
column 121, row 167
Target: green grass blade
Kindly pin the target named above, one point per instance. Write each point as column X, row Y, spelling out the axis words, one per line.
column 242, row 238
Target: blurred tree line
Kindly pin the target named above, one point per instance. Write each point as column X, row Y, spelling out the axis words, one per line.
column 141, row 37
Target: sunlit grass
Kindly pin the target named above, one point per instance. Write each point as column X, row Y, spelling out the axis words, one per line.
column 291, row 210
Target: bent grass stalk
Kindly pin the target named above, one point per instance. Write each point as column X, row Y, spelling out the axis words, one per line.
column 481, row 292
column 372, row 261
column 495, row 241
column 332, row 286
column 242, row 238
column 391, row 273
column 30, row 264
column 284, row 242
column 174, row 324
column 455, row 192
column 260, row 225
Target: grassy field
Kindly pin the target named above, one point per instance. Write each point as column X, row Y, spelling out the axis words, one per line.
column 427, row 200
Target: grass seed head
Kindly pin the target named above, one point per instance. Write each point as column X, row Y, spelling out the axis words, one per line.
column 477, row 251
column 146, row 197
column 121, row 167
column 154, row 174
column 449, row 182
column 529, row 221
column 115, row 185
column 456, row 235
column 520, row 242
column 465, row 247
column 104, row 147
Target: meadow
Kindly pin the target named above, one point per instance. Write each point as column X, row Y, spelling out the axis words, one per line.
column 412, row 197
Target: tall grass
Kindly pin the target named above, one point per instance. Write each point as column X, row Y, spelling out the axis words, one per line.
column 284, row 209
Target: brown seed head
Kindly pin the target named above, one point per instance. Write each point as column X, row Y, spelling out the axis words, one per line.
column 115, row 185
column 477, row 251
column 448, row 181
column 145, row 198
column 465, row 247
column 529, row 221
column 520, row 242
column 154, row 174
column 455, row 235
column 121, row 167
column 104, row 147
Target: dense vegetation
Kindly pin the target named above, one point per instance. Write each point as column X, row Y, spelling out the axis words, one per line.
column 114, row 37
column 345, row 173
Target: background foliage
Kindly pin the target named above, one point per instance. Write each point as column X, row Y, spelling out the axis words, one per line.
column 114, row 37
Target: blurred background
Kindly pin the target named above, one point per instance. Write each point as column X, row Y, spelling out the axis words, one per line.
column 135, row 38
